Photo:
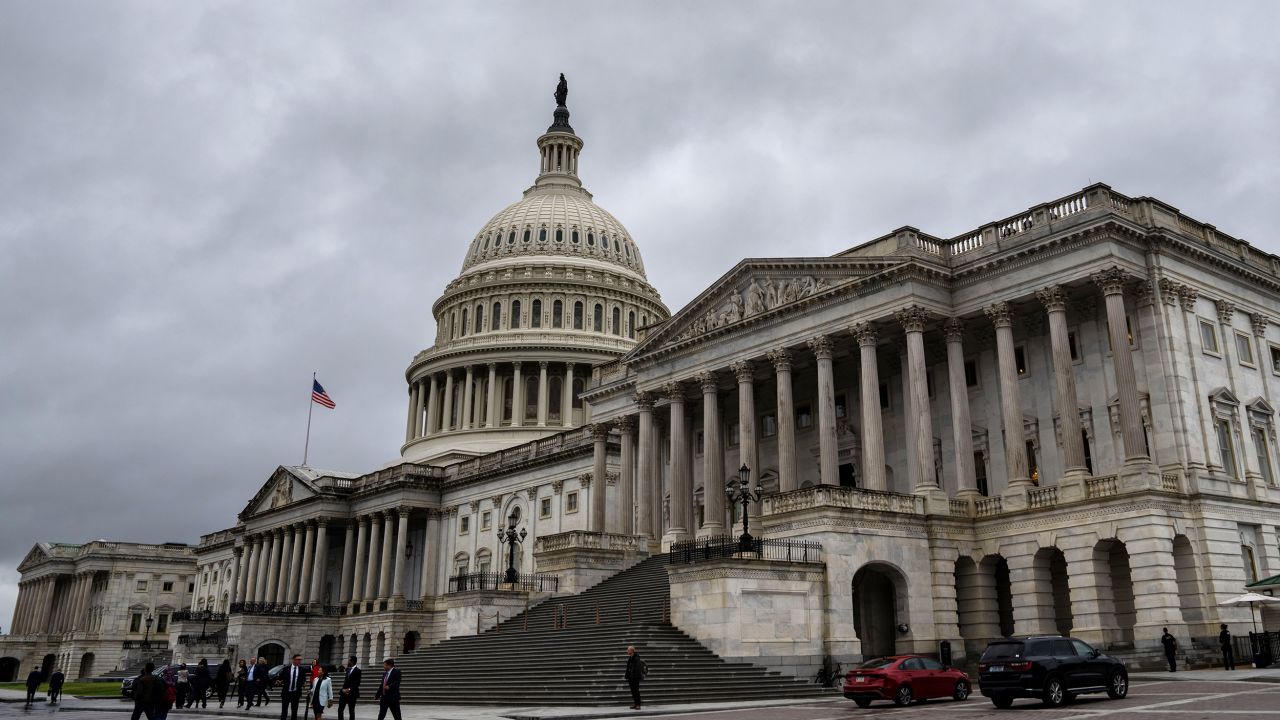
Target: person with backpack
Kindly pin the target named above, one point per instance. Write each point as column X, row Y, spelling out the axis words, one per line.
column 636, row 671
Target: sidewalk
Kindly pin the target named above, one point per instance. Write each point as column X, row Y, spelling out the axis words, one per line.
column 1244, row 672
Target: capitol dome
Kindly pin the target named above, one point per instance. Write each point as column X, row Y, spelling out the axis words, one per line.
column 551, row 286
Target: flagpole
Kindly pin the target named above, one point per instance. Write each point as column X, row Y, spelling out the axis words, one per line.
column 310, row 404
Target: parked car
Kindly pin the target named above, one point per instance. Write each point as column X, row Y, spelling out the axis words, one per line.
column 904, row 678
column 126, row 685
column 1053, row 668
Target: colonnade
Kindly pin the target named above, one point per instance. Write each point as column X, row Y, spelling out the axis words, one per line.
column 53, row 604
column 481, row 402
column 913, row 322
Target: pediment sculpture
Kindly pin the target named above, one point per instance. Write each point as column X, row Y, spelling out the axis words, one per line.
column 759, row 296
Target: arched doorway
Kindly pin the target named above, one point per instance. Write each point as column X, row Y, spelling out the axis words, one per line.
column 86, row 666
column 879, row 606
column 411, row 639
column 1115, row 593
column 976, row 615
column 273, row 652
column 1051, row 577
column 46, row 667
column 1184, row 565
column 327, row 646
column 9, row 669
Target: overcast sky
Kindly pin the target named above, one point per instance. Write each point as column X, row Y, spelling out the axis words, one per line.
column 202, row 203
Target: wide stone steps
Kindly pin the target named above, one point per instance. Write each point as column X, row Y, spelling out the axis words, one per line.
column 581, row 662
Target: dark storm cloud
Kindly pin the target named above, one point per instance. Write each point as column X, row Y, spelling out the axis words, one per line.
column 200, row 204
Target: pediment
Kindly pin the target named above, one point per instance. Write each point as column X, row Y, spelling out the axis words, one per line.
column 285, row 487
column 1225, row 396
column 1260, row 406
column 34, row 557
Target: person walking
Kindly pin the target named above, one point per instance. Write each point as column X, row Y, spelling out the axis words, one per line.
column 242, row 682
column 1228, row 652
column 34, row 678
column 262, row 679
column 292, row 682
column 1170, row 644
column 635, row 672
column 183, row 685
column 55, row 685
column 166, row 695
column 321, row 692
column 350, row 692
column 200, row 682
column 388, row 692
column 144, row 693
column 222, row 682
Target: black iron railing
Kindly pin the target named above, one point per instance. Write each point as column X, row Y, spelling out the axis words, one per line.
column 213, row 638
column 250, row 608
column 724, row 546
column 198, row 616
column 497, row 581
column 333, row 610
column 152, row 644
column 413, row 605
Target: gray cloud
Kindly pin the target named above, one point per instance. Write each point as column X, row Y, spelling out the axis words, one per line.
column 201, row 204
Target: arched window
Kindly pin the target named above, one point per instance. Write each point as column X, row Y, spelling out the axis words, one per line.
column 591, row 240
column 577, row 315
column 574, row 237
column 464, row 322
column 604, row 241
column 516, row 318
column 527, row 232
column 484, row 561
column 559, row 235
column 626, row 248
column 530, row 408
column 617, row 321
column 511, row 239
column 453, row 325
column 542, row 235
column 557, row 314
column 631, row 324
column 495, row 319
column 486, row 242
column 644, row 320
column 578, row 386
column 555, row 390
column 535, row 314
column 507, row 386
column 479, row 318
column 597, row 319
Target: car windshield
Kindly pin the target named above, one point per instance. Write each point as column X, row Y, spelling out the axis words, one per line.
column 1002, row 651
column 876, row 663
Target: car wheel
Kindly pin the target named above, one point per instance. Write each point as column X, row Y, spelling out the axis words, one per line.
column 903, row 696
column 862, row 702
column 1054, row 693
column 962, row 690
column 1119, row 685
column 1002, row 701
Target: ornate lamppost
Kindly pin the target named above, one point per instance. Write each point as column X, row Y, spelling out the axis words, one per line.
column 740, row 492
column 509, row 536
column 146, row 639
column 204, row 620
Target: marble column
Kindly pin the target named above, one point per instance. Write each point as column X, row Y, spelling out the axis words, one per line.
column 627, row 478
column 566, row 402
column 645, row 471
column 402, row 549
column 293, row 552
column 712, row 458
column 491, row 417
column 433, row 409
column 961, row 422
column 681, row 494
column 273, row 571
column 1015, row 449
column 431, row 556
column 446, row 417
column 786, row 415
column 375, row 558
column 1054, row 299
column 542, row 394
column 410, row 425
column 1112, row 282
column 308, row 565
column 359, row 563
column 517, row 396
column 873, row 475
column 319, row 562
column 599, row 473
column 468, row 397
column 744, row 371
column 828, row 449
column 384, row 574
column 237, row 572
column 419, row 409
column 913, row 320
column 251, row 582
column 348, row 564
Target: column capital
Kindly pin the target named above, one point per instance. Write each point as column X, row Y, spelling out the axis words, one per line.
column 781, row 359
column 1259, row 322
column 821, row 346
column 599, row 431
column 953, row 330
column 1110, row 280
column 1226, row 309
column 236, row 550
column 743, row 370
column 363, row 520
column 674, row 391
column 1054, row 298
column 865, row 333
column 531, row 493
column 1144, row 291
column 708, row 381
column 557, row 486
column 584, row 480
column 1188, row 296
column 626, row 424
column 515, row 364
column 542, row 364
column 323, row 521
column 404, row 510
column 493, row 367
column 913, row 318
column 1000, row 314
column 569, row 366
column 643, row 399
column 1168, row 291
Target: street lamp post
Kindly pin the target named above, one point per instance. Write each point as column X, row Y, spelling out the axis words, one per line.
column 146, row 639
column 204, row 620
column 740, row 492
column 509, row 536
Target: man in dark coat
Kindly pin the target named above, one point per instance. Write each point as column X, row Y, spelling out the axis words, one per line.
column 258, row 685
column 1228, row 652
column 350, row 692
column 55, row 685
column 634, row 674
column 293, row 681
column 388, row 692
column 146, row 690
column 34, row 678
column 1170, row 644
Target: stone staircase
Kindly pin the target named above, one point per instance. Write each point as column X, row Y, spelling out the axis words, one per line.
column 558, row 654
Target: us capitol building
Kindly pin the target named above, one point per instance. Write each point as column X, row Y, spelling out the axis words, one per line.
column 1061, row 421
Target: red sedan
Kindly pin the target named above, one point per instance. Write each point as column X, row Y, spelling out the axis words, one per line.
column 904, row 678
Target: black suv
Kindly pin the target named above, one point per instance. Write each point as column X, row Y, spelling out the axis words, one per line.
column 1052, row 668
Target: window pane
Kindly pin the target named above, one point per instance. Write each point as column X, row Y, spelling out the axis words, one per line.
column 1208, row 337
column 1244, row 348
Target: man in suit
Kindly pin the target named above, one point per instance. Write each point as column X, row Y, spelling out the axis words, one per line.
column 388, row 693
column 293, row 681
column 55, row 685
column 146, row 690
column 34, row 678
column 350, row 689
column 261, row 681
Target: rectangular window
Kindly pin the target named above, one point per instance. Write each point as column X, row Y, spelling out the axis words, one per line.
column 1020, row 360
column 1088, row 452
column 842, row 406
column 1275, row 359
column 142, row 586
column 1263, row 449
column 571, row 502
column 1244, row 349
column 486, row 520
column 804, row 417
column 768, row 425
column 162, row 623
column 699, row 438
column 1208, row 337
column 971, row 373
column 884, row 396
column 464, row 525
column 168, row 586
column 1226, row 448
column 1250, row 566
column 733, row 434
column 980, row 472
column 544, row 508
column 135, row 622
column 1073, row 346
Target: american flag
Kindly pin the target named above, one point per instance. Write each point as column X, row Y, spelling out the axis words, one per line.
column 318, row 395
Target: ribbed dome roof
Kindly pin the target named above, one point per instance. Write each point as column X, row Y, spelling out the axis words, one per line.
column 557, row 222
